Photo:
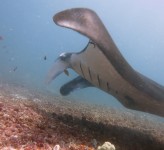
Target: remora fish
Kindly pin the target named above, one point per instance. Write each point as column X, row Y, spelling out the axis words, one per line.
column 102, row 64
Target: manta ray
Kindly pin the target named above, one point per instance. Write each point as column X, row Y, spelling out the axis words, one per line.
column 100, row 64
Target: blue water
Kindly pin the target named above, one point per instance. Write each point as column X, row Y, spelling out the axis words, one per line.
column 29, row 34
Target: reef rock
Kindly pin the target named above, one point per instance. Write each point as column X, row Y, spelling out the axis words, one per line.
column 106, row 146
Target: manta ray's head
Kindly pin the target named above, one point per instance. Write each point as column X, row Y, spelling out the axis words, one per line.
column 61, row 64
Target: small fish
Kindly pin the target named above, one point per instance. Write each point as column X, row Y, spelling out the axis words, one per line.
column 66, row 72
column 45, row 57
column 1, row 38
column 15, row 68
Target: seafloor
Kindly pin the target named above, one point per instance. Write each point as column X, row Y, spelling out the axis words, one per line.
column 31, row 120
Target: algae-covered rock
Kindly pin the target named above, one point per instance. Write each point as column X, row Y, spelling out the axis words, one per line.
column 106, row 146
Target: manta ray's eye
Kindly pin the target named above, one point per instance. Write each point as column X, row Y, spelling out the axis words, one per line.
column 65, row 56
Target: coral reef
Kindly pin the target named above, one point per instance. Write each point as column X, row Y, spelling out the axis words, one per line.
column 22, row 127
column 30, row 120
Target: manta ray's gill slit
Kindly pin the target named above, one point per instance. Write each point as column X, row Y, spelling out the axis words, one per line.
column 108, row 87
column 98, row 79
column 90, row 73
column 82, row 70
column 129, row 101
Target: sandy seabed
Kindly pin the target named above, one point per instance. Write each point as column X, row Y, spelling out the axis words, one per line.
column 31, row 120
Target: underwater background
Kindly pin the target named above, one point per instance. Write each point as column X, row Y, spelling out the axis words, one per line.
column 28, row 35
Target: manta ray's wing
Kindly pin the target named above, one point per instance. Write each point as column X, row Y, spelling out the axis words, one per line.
column 75, row 84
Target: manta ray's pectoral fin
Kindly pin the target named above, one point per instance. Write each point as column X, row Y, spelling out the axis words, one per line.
column 75, row 84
